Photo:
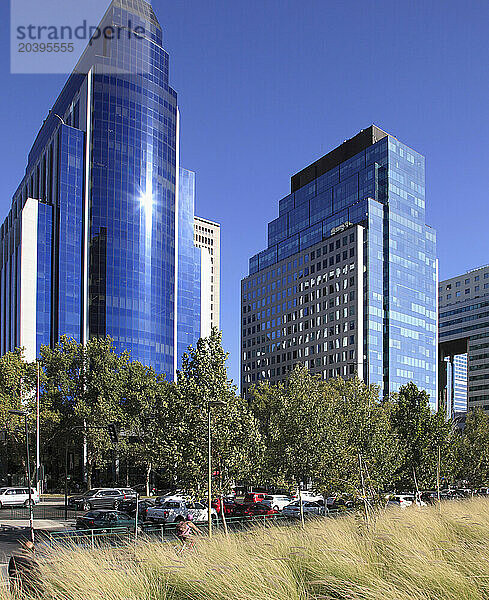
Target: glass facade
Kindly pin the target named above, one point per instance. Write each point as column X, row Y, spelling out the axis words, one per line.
column 189, row 264
column 380, row 186
column 103, row 176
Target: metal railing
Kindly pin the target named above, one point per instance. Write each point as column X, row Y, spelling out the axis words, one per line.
column 56, row 513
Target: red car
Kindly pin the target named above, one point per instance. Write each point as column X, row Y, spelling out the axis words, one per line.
column 254, row 510
column 229, row 505
column 253, row 497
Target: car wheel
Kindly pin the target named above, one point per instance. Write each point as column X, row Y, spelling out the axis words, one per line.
column 26, row 503
column 87, row 506
column 1, row 505
column 276, row 508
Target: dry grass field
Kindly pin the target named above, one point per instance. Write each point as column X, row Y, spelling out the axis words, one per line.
column 433, row 553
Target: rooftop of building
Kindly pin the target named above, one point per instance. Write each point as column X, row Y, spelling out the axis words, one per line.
column 207, row 221
column 348, row 149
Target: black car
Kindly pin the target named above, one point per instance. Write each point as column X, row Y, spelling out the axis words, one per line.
column 101, row 498
column 129, row 507
column 105, row 519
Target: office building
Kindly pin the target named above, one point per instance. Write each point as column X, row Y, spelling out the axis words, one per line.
column 207, row 236
column 347, row 283
column 464, row 330
column 99, row 239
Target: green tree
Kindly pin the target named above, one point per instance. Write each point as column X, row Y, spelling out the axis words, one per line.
column 236, row 441
column 84, row 387
column 422, row 434
column 145, row 403
column 359, row 440
column 17, row 392
column 297, row 429
column 470, row 450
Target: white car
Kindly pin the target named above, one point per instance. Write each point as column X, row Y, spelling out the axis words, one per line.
column 308, row 497
column 310, row 508
column 276, row 501
column 171, row 509
column 402, row 500
column 17, row 496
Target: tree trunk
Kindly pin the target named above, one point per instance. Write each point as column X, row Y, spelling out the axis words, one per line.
column 148, row 474
column 301, row 506
column 89, row 474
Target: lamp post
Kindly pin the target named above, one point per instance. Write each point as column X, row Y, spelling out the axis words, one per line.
column 210, row 404
column 22, row 413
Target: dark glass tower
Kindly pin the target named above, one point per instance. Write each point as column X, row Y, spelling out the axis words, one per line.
column 348, row 282
column 97, row 229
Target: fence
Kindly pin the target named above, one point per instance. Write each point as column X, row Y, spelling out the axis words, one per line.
column 45, row 512
column 165, row 532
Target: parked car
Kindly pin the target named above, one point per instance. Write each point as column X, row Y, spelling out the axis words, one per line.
column 276, row 501
column 338, row 503
column 17, row 496
column 105, row 519
column 293, row 509
column 401, row 500
column 229, row 505
column 260, row 509
column 308, row 497
column 170, row 510
column 252, row 497
column 129, row 507
column 101, row 498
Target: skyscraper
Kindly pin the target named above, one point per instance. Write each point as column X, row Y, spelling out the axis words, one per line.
column 348, row 281
column 464, row 340
column 99, row 238
column 207, row 236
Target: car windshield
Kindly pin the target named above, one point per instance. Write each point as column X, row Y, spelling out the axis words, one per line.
column 3, row 490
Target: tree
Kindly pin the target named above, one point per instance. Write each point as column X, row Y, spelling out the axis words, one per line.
column 235, row 438
column 145, row 404
column 84, row 386
column 297, row 429
column 422, row 435
column 470, row 450
column 17, row 390
column 359, row 440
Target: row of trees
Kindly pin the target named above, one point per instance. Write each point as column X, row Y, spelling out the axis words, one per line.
column 334, row 434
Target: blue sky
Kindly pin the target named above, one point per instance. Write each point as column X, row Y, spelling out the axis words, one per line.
column 266, row 87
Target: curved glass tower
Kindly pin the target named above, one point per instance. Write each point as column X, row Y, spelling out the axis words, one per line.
column 96, row 218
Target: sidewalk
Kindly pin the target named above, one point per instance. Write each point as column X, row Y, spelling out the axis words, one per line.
column 42, row 524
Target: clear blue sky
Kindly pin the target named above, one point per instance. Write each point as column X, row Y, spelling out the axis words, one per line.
column 266, row 87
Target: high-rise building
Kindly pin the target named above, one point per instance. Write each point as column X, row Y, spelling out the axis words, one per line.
column 460, row 364
column 464, row 330
column 207, row 236
column 100, row 236
column 348, row 282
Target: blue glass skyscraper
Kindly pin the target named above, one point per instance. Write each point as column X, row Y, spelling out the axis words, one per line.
column 101, row 226
column 348, row 282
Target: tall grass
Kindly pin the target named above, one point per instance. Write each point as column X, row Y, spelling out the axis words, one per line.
column 430, row 553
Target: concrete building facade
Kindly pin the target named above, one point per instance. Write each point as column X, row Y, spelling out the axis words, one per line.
column 347, row 284
column 207, row 236
column 464, row 329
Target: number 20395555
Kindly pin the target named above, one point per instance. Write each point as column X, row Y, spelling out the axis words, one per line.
column 45, row 47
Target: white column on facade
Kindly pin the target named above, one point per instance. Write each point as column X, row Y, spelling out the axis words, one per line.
column 205, row 292
column 28, row 278
column 175, row 289
column 360, row 301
